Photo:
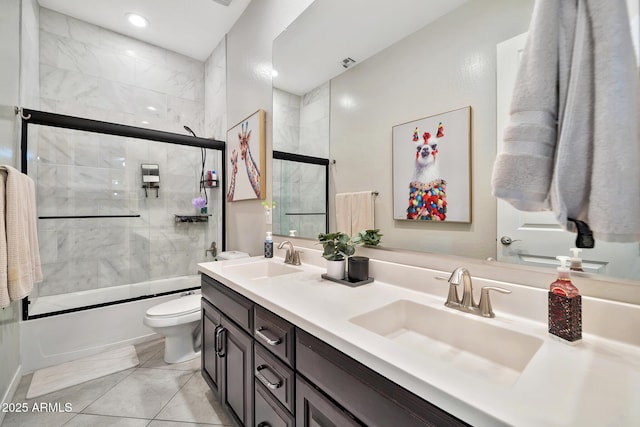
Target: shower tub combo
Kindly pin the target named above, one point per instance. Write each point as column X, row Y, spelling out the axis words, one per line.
column 110, row 240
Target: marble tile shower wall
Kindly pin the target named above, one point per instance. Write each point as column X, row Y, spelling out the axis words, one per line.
column 88, row 71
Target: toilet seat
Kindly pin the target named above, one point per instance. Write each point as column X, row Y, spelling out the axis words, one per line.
column 175, row 312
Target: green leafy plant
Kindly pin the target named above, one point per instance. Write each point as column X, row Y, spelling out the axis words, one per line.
column 368, row 238
column 337, row 246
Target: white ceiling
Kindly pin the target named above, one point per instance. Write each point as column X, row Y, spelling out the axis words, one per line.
column 192, row 27
column 308, row 52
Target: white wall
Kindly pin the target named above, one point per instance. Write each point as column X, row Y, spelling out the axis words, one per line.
column 449, row 64
column 249, row 45
column 9, row 97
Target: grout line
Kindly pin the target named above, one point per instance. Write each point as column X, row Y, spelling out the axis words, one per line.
column 174, row 395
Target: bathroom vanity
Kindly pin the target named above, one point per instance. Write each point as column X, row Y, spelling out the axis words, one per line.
column 283, row 347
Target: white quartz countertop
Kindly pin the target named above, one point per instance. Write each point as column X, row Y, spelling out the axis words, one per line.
column 593, row 383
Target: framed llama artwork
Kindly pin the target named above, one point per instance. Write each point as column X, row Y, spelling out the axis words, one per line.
column 432, row 168
column 246, row 159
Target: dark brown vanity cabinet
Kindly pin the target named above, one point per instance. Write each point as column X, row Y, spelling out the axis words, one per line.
column 269, row 373
column 227, row 349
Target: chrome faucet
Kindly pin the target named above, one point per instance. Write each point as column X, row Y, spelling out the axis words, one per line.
column 292, row 257
column 467, row 304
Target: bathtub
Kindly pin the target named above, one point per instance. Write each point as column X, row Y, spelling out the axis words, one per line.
column 60, row 338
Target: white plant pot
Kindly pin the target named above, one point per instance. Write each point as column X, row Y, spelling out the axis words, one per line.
column 335, row 269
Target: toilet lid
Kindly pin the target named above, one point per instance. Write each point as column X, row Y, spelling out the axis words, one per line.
column 176, row 307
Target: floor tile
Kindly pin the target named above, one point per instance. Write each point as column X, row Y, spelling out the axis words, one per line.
column 160, row 423
column 39, row 419
column 83, row 420
column 157, row 362
column 79, row 396
column 142, row 394
column 147, row 350
column 194, row 403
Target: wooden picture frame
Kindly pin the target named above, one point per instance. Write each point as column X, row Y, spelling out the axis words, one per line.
column 246, row 159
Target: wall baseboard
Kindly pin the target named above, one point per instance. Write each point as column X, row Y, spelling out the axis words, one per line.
column 11, row 390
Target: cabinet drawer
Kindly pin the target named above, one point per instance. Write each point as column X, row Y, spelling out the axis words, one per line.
column 269, row 413
column 233, row 305
column 314, row 409
column 275, row 333
column 372, row 398
column 277, row 378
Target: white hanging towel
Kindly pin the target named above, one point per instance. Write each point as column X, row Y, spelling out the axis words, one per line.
column 362, row 211
column 572, row 145
column 19, row 253
column 343, row 212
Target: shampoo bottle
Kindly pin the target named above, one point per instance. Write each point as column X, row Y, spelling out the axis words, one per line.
column 268, row 246
column 576, row 261
column 565, row 305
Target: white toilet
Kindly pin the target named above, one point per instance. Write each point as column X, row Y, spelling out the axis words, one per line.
column 178, row 321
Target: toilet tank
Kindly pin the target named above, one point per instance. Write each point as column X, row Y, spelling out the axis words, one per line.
column 222, row 256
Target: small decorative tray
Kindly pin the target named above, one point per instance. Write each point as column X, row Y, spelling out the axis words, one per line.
column 347, row 281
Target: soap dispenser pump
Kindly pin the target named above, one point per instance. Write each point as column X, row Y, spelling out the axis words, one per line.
column 565, row 305
column 576, row 261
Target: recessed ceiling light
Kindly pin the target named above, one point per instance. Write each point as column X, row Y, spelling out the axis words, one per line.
column 151, row 108
column 274, row 73
column 137, row 20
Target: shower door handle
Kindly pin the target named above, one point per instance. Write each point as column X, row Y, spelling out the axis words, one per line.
column 220, row 330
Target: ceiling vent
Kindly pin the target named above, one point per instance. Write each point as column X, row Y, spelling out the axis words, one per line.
column 223, row 2
column 347, row 62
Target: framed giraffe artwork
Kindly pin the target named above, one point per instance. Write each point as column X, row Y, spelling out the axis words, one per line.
column 246, row 159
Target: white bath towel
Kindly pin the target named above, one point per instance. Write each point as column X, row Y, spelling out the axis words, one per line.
column 343, row 212
column 362, row 211
column 20, row 246
column 573, row 144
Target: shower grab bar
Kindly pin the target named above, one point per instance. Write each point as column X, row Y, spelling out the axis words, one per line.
column 88, row 216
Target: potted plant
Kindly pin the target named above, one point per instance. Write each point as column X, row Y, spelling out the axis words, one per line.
column 368, row 237
column 337, row 248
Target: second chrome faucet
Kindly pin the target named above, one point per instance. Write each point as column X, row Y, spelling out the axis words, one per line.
column 461, row 276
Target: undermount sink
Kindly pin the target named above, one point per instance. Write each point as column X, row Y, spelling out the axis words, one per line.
column 263, row 269
column 473, row 345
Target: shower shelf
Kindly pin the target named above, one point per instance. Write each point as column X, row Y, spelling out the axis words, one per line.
column 209, row 183
column 192, row 218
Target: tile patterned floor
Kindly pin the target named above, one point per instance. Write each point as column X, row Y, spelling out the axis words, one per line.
column 153, row 394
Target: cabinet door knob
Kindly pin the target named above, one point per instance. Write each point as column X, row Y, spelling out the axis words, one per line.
column 271, row 341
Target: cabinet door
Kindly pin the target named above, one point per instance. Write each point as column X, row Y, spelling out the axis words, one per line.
column 236, row 356
column 211, row 324
column 315, row 410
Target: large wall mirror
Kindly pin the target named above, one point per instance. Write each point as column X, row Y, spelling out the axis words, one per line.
column 401, row 62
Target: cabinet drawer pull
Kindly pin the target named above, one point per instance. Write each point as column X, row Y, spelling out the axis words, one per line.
column 264, row 379
column 264, row 424
column 262, row 336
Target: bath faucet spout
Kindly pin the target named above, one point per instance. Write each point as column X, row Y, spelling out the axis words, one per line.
column 461, row 276
column 292, row 257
